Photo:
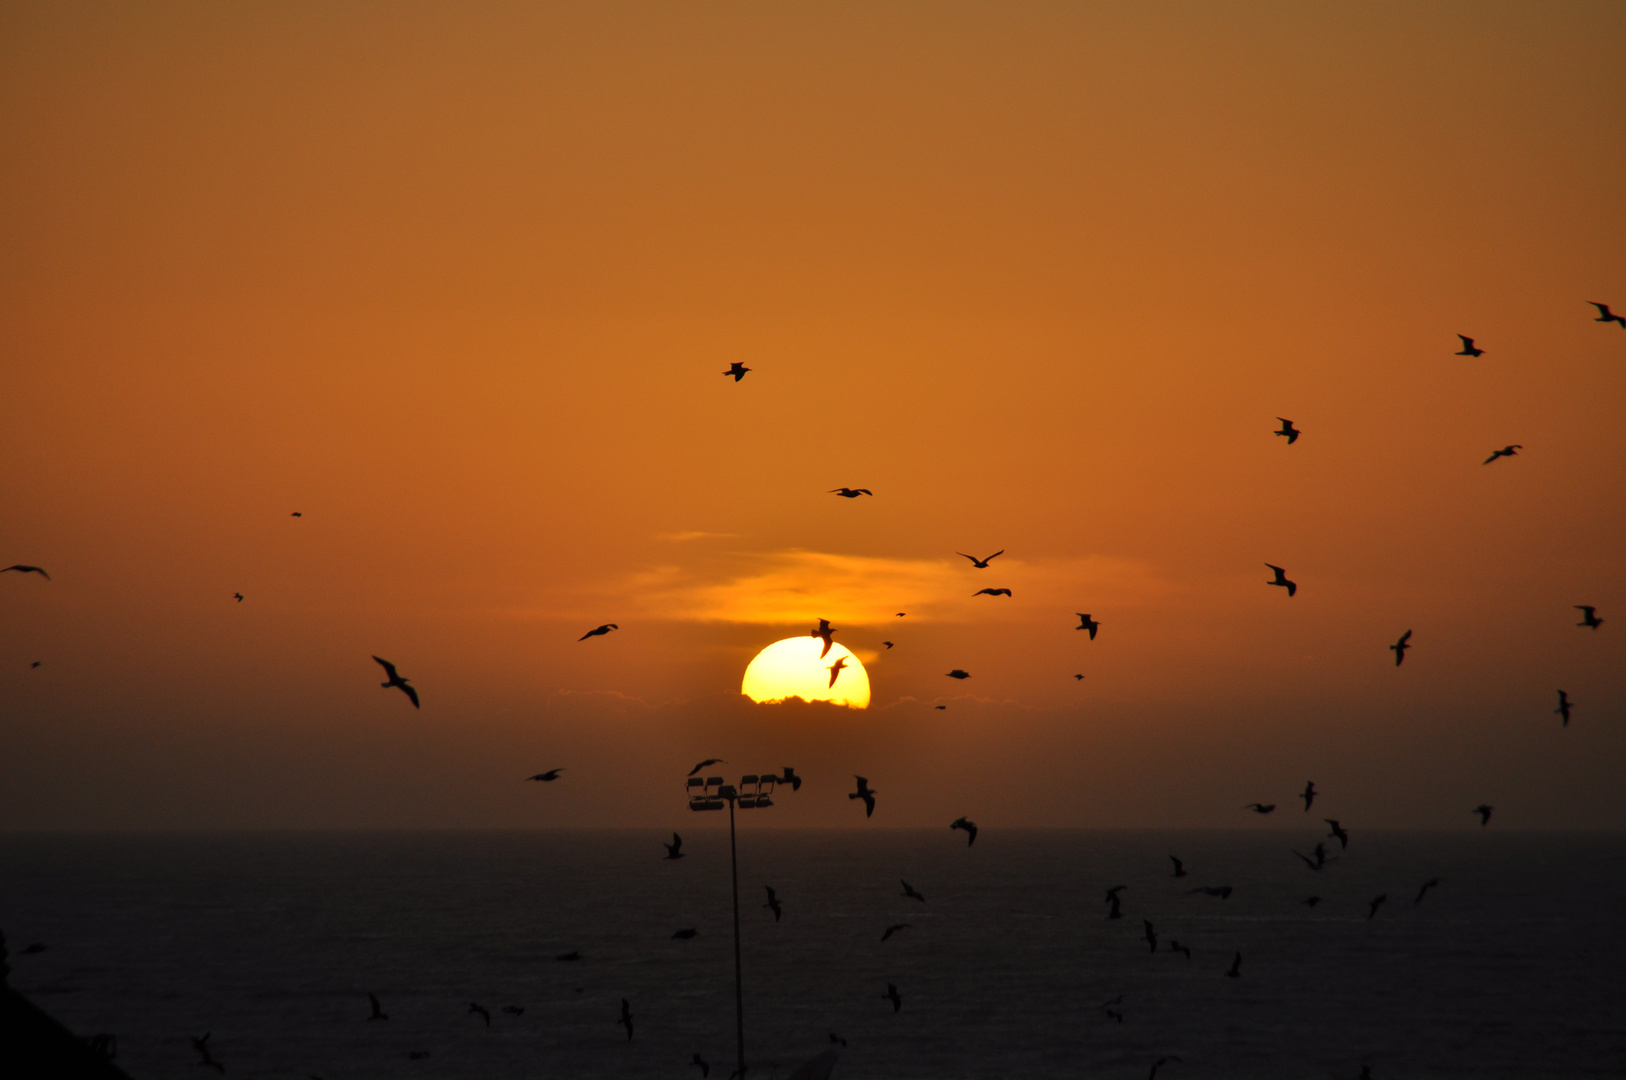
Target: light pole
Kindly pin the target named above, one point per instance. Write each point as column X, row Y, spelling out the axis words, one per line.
column 711, row 793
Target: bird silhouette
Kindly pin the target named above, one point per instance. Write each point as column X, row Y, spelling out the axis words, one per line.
column 1112, row 893
column 599, row 631
column 849, row 493
column 238, row 596
column 1289, row 430
column 546, row 777
column 1176, row 947
column 773, row 904
column 1179, row 867
column 569, row 957
column 1607, row 316
column 940, row 708
column 789, row 777
column 200, row 1043
column 674, row 850
column 24, row 569
column 1400, row 648
column 1422, row 892
column 981, row 564
column 1114, row 907
column 1484, row 813
column 825, row 633
column 1588, row 616
column 894, row 928
column 959, row 674
column 296, row 513
column 1159, row 1063
column 864, row 792
column 1308, row 794
column 1114, row 1014
column 1221, row 891
column 706, row 764
column 1308, row 861
column 1338, row 831
column 416, row 1055
column 836, row 669
column 737, row 370
column 1564, row 706
column 1080, row 678
column 892, row 996
column 1312, row 901
column 483, row 1012
column 910, row 892
column 686, row 934
column 1236, row 967
column 838, row 1040
column 970, row 828
column 992, row 592
column 697, row 1061
column 1281, row 579
column 1150, row 935
column 626, row 1017
column 1260, row 807
column 1506, row 451
column 36, row 663
column 1377, row 902
column 378, row 1011
column 888, row 644
column 1468, row 348
column 33, row 948
column 397, row 680
column 1087, row 623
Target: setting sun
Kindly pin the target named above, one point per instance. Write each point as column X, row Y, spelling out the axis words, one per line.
column 793, row 668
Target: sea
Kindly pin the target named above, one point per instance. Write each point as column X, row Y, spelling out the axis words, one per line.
column 1513, row 965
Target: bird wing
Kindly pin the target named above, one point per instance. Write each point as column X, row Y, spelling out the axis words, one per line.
column 1603, row 309
column 389, row 668
column 963, row 555
column 995, row 555
column 1467, row 342
column 410, row 692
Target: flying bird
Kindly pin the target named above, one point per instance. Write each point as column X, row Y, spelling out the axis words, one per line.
column 698, row 1061
column 1260, row 807
column 687, row 934
column 790, row 777
column 22, row 569
column 1377, row 902
column 1564, row 706
column 674, row 850
column 378, row 1010
column 1175, row 946
column 1588, row 616
column 1179, row 867
column 1080, row 678
column 707, row 764
column 1150, row 935
column 970, row 828
column 849, row 493
column 838, row 1040
column 1312, row 901
column 296, row 513
column 892, row 996
column 959, row 674
column 1400, row 648
column 737, row 370
column 200, row 1043
column 981, row 564
column 940, row 708
column 1506, row 451
column 546, row 777
column 1112, row 893
column 1221, row 891
column 397, row 680
column 1308, row 794
column 910, row 892
column 1422, row 892
column 825, row 633
column 894, row 928
column 992, row 592
column 1484, row 813
column 1289, row 430
column 1281, row 579
column 1338, row 831
column 836, row 669
column 36, row 663
column 864, row 792
column 626, row 1017
column 1468, row 347
column 1607, row 316
column 773, row 904
column 1159, row 1063
column 1316, row 863
column 484, row 1013
column 598, row 631
column 1087, row 623
column 1236, row 967
column 238, row 596
column 1114, row 907
column 888, row 644
column 569, row 957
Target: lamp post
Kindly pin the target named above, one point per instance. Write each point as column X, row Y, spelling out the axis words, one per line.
column 711, row 793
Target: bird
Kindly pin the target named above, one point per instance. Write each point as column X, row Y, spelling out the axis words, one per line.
column 1400, row 648
column 849, row 493
column 36, row 663
column 901, row 614
column 1087, row 623
column 864, row 792
column 687, row 934
column 1588, row 616
column 378, row 1011
column 1308, row 794
column 981, row 564
column 296, row 513
column 737, row 370
column 940, row 708
column 1607, row 316
column 397, row 680
column 838, row 1040
column 706, row 764
column 1289, row 430
column 1377, row 902
column 910, row 891
column 1114, row 908
column 1080, row 678
column 1150, row 935
column 514, row 1010
column 1221, row 891
column 1468, row 347
column 791, row 778
column 546, row 777
column 1507, row 451
column 1312, row 901
column 894, row 928
column 892, row 996
column 1236, row 967
column 1338, row 831
column 1311, row 863
column 33, row 948
column 1179, row 867
column 773, row 904
column 569, row 956
column 626, row 1017
column 1422, row 892
column 888, row 644
column 416, row 1055
column 1175, row 946
column 992, row 592
column 836, row 669
column 1564, row 706
column 824, row 632
column 1260, row 807
column 674, row 850
column 1159, row 1063
column 483, row 1012
column 24, row 569
column 200, row 1043
column 970, row 828
column 1281, row 579
column 599, row 631
column 697, row 1061
column 957, row 673
column 1484, row 813
column 238, row 596
column 1114, row 1014
column 1112, row 893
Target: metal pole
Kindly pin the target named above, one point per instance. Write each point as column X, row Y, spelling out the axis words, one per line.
column 739, row 991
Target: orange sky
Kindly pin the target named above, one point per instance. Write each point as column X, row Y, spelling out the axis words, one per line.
column 457, row 282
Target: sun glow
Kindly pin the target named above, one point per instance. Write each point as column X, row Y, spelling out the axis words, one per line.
column 792, row 668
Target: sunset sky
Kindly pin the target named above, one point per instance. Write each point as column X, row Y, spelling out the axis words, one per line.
column 457, row 283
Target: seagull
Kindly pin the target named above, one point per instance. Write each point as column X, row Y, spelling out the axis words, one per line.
column 836, row 669
column 626, row 1017
column 1338, row 831
column 296, row 513
column 1112, row 893
column 415, row 1055
column 1179, row 867
column 1312, row 901
column 1221, row 891
column 1564, row 706
column 698, row 1061
column 1607, row 316
column 838, row 1040
column 674, row 850
column 1080, row 678
column 1316, row 863
column 239, row 597
column 1281, row 579
column 1116, row 909
column 1175, row 946
column 22, row 569
column 200, row 1043
column 569, row 956
column 1400, row 648
column 894, row 928
column 1468, row 347
column 791, row 778
column 1087, row 623
column 1260, row 807
column 598, row 631
column 397, row 680
column 1484, row 813
column 1236, row 967
column 546, row 777
column 485, row 1013
column 687, row 934
column 909, row 891
column 970, row 828
column 901, row 614
column 378, row 1010
column 1588, row 616
column 849, row 493
column 737, row 370
column 824, row 632
column 864, row 792
column 892, row 996
column 1377, row 902
column 773, row 904
column 1159, row 1063
column 959, row 674
column 981, row 564
column 940, row 708
column 1289, row 430
column 707, row 764
column 1308, row 794
column 992, row 592
column 1427, row 885
column 1506, row 451
column 36, row 663
column 888, row 644
column 1150, row 935
column 1113, row 1014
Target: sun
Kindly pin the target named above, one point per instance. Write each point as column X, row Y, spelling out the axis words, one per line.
column 792, row 668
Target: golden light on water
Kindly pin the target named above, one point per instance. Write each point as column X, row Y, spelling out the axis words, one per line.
column 793, row 668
